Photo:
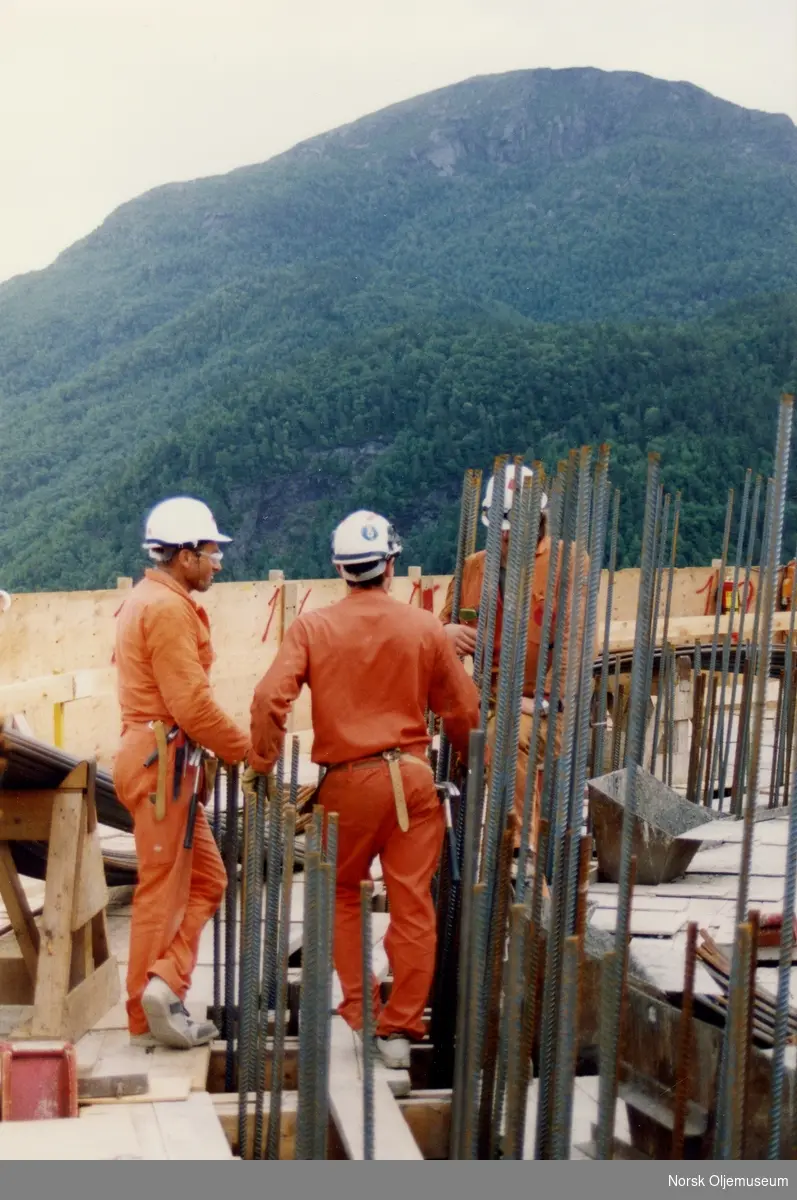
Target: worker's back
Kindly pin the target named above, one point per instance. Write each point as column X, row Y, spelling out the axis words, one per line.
column 373, row 666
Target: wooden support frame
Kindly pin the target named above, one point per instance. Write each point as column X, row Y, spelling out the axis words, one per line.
column 66, row 969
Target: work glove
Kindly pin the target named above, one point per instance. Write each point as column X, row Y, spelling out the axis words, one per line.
column 249, row 782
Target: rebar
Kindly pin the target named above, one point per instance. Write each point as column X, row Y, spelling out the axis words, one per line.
column 305, row 1130
column 664, row 526
column 293, row 794
column 776, row 1131
column 725, row 1132
column 270, row 949
column 740, row 640
column 230, row 923
column 560, row 831
column 473, row 806
column 247, row 999
column 515, row 1098
column 716, row 760
column 607, row 1097
column 600, row 724
column 475, row 966
column 783, row 742
column 330, row 871
column 703, row 765
column 280, row 1004
column 465, row 525
column 366, row 896
column 684, row 1044
column 217, row 972
column 556, row 510
column 488, row 603
column 567, row 1041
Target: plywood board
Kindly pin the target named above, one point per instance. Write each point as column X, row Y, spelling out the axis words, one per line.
column 70, row 1139
column 392, row 1137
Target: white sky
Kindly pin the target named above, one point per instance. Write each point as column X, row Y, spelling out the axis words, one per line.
column 101, row 100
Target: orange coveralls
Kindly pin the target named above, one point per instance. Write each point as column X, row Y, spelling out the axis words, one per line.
column 373, row 665
column 472, row 578
column 163, row 656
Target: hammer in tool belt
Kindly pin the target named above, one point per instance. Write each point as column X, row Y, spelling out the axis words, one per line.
column 195, row 761
column 448, row 792
column 162, row 739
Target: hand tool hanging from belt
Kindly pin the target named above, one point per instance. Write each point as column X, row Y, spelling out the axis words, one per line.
column 446, row 791
column 187, row 755
column 162, row 739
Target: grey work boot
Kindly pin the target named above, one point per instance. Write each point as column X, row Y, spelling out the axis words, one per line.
column 394, row 1050
column 169, row 1021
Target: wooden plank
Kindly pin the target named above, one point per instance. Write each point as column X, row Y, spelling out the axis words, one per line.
column 160, row 1089
column 18, row 910
column 70, row 1139
column 25, row 816
column 392, row 1137
column 91, row 891
column 112, row 1087
column 682, row 631
column 52, row 980
column 90, row 1000
column 192, row 1130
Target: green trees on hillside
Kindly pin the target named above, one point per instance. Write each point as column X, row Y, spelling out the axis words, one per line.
column 392, row 421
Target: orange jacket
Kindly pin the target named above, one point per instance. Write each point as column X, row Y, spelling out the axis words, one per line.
column 163, row 658
column 472, row 578
column 372, row 665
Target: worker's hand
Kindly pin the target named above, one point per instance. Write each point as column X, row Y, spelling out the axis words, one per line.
column 527, row 706
column 249, row 784
column 462, row 638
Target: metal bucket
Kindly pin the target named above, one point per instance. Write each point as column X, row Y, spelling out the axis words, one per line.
column 661, row 819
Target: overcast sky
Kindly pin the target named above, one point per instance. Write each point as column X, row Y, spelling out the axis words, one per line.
column 101, row 100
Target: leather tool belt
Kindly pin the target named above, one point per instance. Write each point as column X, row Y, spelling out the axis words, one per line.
column 393, row 758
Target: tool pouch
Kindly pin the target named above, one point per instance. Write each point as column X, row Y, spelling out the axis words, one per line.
column 158, row 797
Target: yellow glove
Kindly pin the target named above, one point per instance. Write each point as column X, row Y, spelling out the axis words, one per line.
column 249, row 783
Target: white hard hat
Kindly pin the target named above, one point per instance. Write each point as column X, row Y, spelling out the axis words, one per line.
column 364, row 537
column 181, row 521
column 5, row 601
column 509, row 492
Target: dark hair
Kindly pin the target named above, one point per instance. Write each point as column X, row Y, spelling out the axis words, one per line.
column 358, row 568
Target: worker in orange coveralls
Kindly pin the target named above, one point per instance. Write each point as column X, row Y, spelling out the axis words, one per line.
column 373, row 666
column 463, row 639
column 163, row 656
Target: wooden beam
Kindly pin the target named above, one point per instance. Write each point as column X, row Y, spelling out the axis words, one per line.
column 18, row 909
column 25, row 816
column 682, row 631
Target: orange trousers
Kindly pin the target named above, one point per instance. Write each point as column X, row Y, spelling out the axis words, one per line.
column 524, row 740
column 178, row 890
column 362, row 796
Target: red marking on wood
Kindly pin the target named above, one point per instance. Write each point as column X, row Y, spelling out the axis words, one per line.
column 272, row 604
column 304, row 601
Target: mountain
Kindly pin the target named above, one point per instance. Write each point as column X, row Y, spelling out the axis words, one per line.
column 365, row 314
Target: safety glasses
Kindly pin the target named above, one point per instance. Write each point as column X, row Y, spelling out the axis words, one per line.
column 215, row 557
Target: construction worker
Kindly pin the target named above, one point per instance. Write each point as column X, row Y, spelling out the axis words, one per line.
column 373, row 666
column 463, row 639
column 163, row 656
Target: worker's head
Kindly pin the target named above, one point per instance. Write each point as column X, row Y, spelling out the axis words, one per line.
column 364, row 549
column 182, row 539
column 509, row 495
